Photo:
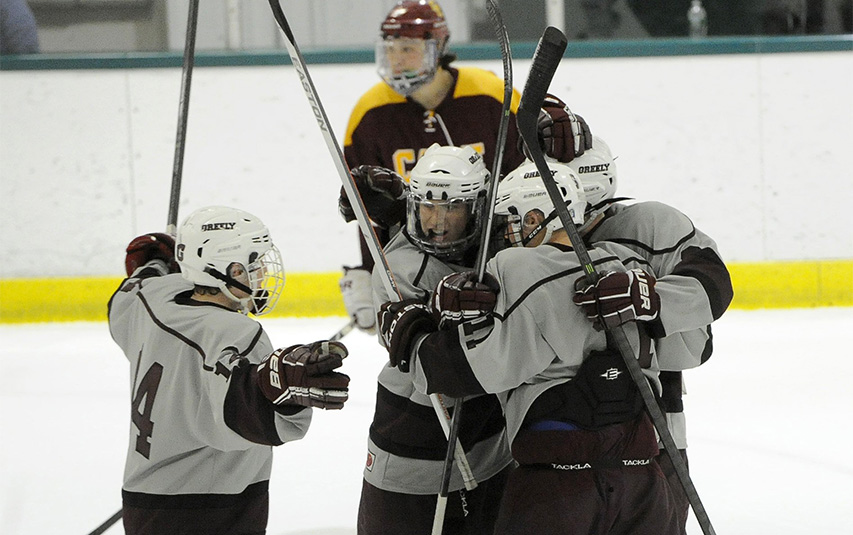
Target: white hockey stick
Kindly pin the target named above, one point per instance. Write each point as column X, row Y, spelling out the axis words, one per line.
column 545, row 61
column 357, row 204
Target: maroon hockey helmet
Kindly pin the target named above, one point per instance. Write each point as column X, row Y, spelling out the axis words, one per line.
column 416, row 19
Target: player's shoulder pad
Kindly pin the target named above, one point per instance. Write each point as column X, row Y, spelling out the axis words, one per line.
column 662, row 215
column 616, row 252
column 380, row 94
column 473, row 81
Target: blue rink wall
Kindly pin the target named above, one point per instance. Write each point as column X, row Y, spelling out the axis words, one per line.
column 749, row 137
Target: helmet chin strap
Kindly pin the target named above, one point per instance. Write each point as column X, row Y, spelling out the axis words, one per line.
column 245, row 303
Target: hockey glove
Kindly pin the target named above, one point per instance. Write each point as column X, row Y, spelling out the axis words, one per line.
column 383, row 193
column 357, row 291
column 401, row 323
column 618, row 297
column 562, row 135
column 148, row 247
column 302, row 375
column 460, row 297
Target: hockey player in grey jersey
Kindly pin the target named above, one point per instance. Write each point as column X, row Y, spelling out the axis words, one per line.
column 209, row 394
column 575, row 421
column 693, row 285
column 406, row 445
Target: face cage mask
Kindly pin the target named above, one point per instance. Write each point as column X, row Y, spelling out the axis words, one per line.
column 441, row 209
column 265, row 282
column 405, row 83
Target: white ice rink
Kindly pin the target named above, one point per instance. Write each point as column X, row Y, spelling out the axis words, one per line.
column 769, row 425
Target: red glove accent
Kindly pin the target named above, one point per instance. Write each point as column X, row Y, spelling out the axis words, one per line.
column 302, row 375
column 148, row 247
column 460, row 297
column 619, row 297
column 383, row 193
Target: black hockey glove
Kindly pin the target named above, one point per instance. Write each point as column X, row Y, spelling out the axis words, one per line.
column 383, row 193
column 618, row 297
column 563, row 135
column 148, row 247
column 460, row 297
column 302, row 375
column 400, row 324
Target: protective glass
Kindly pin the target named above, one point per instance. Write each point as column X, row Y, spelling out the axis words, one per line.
column 444, row 227
column 405, row 63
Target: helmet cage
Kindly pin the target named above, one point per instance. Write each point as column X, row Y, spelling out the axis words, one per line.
column 214, row 242
column 407, row 81
column 408, row 23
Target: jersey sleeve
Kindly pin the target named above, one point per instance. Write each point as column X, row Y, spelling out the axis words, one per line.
column 692, row 281
column 238, row 414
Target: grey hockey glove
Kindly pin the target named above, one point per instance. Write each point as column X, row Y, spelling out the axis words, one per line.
column 618, row 297
column 357, row 290
column 563, row 135
column 460, row 297
column 148, row 247
column 383, row 193
column 303, row 375
column 401, row 323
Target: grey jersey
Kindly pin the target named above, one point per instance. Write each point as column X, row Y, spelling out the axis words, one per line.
column 693, row 284
column 537, row 337
column 407, row 445
column 692, row 281
column 199, row 422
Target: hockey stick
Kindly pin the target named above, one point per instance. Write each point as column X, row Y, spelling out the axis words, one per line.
column 345, row 330
column 485, row 236
column 178, row 165
column 107, row 524
column 358, row 207
column 183, row 111
column 547, row 57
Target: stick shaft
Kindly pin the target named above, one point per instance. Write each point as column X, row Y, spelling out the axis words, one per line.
column 183, row 114
column 343, row 171
column 545, row 61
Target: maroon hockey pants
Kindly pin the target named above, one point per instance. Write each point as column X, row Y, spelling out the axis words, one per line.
column 577, row 483
column 391, row 513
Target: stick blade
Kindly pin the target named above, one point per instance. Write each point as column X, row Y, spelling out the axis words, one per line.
column 546, row 59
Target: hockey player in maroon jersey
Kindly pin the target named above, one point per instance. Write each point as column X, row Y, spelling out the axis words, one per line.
column 692, row 283
column 209, row 394
column 585, row 447
column 422, row 100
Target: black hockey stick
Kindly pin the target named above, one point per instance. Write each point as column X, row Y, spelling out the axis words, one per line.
column 183, row 111
column 358, row 207
column 107, row 524
column 178, row 165
column 482, row 254
column 547, row 57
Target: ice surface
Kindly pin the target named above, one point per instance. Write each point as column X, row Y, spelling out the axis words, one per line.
column 768, row 417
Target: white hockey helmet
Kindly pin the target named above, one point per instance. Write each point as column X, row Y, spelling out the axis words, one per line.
column 522, row 191
column 230, row 249
column 447, row 193
column 412, row 39
column 596, row 169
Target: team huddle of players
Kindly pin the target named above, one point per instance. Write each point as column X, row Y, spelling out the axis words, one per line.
column 554, row 436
